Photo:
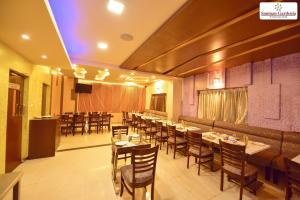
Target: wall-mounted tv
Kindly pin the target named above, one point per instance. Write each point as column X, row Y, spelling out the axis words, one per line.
column 83, row 88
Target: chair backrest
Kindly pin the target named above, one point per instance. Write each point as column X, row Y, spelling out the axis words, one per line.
column 123, row 115
column 194, row 140
column 126, row 115
column 171, row 131
column 149, row 123
column 144, row 161
column 64, row 118
column 233, row 155
column 104, row 113
column 292, row 170
column 105, row 118
column 78, row 118
column 159, row 127
column 93, row 118
column 119, row 130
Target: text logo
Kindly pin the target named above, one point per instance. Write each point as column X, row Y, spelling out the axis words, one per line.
column 278, row 10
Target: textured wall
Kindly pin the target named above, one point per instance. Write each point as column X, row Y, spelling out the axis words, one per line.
column 274, row 91
column 68, row 103
column 35, row 77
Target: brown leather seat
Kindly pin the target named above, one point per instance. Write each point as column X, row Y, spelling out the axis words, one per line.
column 179, row 140
column 204, row 151
column 127, row 172
column 250, row 170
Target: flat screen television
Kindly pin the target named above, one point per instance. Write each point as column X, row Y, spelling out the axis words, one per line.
column 83, row 88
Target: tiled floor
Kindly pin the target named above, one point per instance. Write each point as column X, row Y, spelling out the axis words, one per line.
column 85, row 174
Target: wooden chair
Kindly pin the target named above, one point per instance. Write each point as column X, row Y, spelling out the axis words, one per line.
column 119, row 130
column 150, row 130
column 134, row 123
column 94, row 122
column 292, row 171
column 78, row 122
column 104, row 122
column 233, row 163
column 123, row 118
column 66, row 124
column 196, row 149
column 141, row 126
column 176, row 141
column 161, row 136
column 141, row 172
column 128, row 120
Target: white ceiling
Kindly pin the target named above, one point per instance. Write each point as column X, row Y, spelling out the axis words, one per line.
column 84, row 23
column 32, row 17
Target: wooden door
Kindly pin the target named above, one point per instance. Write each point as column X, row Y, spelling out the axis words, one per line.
column 14, row 121
column 44, row 99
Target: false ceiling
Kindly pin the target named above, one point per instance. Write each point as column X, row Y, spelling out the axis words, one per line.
column 207, row 35
column 83, row 24
column 32, row 17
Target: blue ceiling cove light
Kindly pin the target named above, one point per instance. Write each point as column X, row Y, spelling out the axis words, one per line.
column 66, row 14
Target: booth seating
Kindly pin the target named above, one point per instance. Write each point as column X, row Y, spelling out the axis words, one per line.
column 257, row 134
column 290, row 149
column 204, row 124
column 155, row 113
column 272, row 137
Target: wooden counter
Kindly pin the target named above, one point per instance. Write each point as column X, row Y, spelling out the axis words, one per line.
column 44, row 137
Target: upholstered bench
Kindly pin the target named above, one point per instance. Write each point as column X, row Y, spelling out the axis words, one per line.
column 204, row 124
column 290, row 149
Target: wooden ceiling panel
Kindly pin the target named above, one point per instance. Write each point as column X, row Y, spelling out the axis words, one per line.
column 194, row 18
column 239, row 29
column 271, row 50
column 238, row 48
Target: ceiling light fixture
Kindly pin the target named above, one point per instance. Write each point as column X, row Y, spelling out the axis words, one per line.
column 74, row 66
column 115, row 6
column 25, row 37
column 102, row 45
column 44, row 56
column 122, row 76
column 153, row 77
column 132, row 73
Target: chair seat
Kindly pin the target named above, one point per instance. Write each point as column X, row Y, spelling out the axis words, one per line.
column 127, row 171
column 163, row 135
column 205, row 152
column 250, row 170
column 179, row 140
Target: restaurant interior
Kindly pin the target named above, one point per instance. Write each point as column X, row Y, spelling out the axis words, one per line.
column 140, row 99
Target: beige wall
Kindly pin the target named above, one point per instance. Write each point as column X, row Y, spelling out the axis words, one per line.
column 56, row 95
column 68, row 103
column 173, row 90
column 35, row 77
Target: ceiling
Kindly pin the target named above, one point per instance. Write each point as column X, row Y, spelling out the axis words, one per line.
column 85, row 23
column 217, row 35
column 31, row 17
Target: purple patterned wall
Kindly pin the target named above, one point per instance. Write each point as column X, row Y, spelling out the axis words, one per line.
column 274, row 91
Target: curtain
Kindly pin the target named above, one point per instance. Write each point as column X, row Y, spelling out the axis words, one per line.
column 158, row 102
column 112, row 98
column 230, row 105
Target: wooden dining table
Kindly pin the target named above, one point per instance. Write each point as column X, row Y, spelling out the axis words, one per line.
column 121, row 146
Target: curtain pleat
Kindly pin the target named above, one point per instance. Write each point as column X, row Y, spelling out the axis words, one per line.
column 230, row 105
column 112, row 98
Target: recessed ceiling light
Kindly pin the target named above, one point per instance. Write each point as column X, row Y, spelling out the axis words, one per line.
column 132, row 73
column 44, row 56
column 153, row 76
column 147, row 80
column 122, row 76
column 25, row 37
column 115, row 6
column 102, row 45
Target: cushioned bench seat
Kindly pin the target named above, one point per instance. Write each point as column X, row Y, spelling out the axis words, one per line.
column 204, row 124
column 290, row 149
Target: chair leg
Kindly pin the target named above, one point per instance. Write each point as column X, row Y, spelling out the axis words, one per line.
column 122, row 186
column 152, row 191
column 288, row 193
column 188, row 161
column 133, row 193
column 241, row 190
column 222, row 180
column 199, row 166
column 174, row 151
column 267, row 173
column 167, row 147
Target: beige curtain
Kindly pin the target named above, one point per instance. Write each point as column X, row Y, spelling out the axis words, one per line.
column 230, row 105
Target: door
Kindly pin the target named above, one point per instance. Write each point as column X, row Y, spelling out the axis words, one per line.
column 44, row 99
column 14, row 121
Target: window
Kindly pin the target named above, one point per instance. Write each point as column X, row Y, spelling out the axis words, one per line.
column 158, row 102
